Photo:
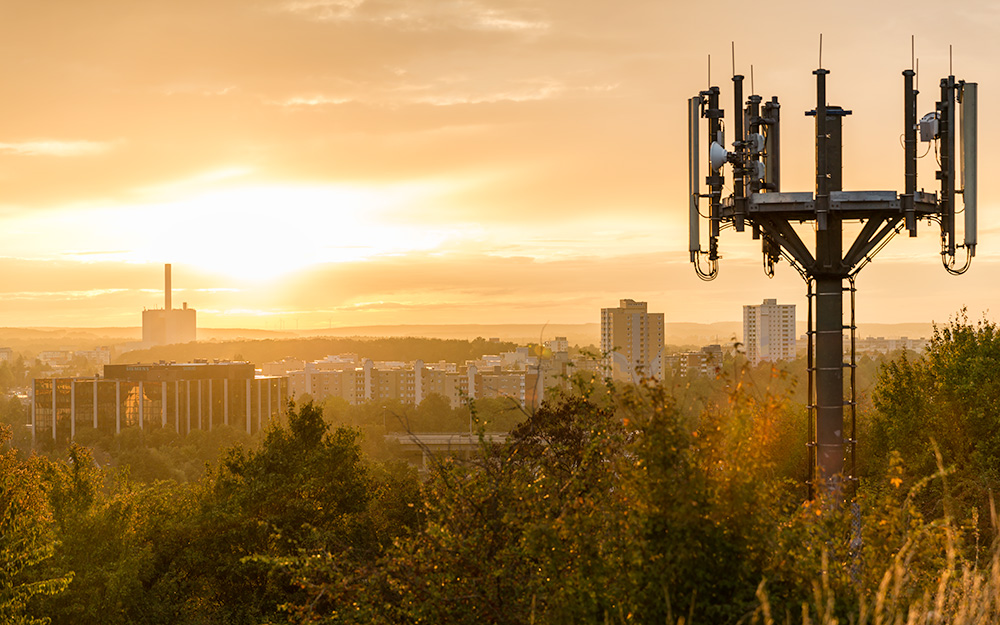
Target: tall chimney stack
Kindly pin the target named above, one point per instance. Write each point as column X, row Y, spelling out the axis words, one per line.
column 166, row 287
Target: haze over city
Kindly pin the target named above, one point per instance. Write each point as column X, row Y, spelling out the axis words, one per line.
column 318, row 163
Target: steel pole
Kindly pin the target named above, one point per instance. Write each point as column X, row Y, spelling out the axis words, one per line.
column 829, row 376
column 829, row 275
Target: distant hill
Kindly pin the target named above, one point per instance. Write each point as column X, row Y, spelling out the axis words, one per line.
column 700, row 334
column 895, row 330
column 403, row 349
column 30, row 341
column 726, row 331
column 576, row 333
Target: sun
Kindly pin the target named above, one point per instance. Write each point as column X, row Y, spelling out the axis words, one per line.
column 258, row 233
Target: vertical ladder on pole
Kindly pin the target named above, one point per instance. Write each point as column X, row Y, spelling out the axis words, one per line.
column 811, row 393
column 852, row 442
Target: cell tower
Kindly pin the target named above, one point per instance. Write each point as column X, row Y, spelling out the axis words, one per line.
column 829, row 271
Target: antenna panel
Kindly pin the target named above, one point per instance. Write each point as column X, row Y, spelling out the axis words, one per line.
column 969, row 160
column 694, row 175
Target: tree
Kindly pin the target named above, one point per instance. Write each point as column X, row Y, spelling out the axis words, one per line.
column 951, row 396
column 7, row 377
column 114, row 534
column 435, row 414
column 27, row 538
column 306, row 493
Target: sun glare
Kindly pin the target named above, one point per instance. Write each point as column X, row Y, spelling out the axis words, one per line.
column 255, row 233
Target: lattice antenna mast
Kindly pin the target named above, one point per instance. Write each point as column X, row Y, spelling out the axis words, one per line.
column 757, row 199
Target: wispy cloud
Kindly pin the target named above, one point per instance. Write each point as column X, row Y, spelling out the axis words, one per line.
column 497, row 20
column 323, row 10
column 312, row 100
column 199, row 182
column 96, row 256
column 61, row 295
column 450, row 91
column 48, row 147
column 541, row 90
column 425, row 16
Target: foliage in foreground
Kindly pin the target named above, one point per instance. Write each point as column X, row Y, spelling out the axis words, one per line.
column 211, row 551
column 26, row 537
column 607, row 505
column 951, row 396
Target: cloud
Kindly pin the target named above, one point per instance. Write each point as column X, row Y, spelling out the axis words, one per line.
column 527, row 91
column 195, row 182
column 434, row 95
column 423, row 16
column 48, row 147
column 323, row 10
column 312, row 100
column 61, row 295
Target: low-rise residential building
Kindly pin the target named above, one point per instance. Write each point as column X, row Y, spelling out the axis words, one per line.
column 882, row 345
column 518, row 375
column 706, row 361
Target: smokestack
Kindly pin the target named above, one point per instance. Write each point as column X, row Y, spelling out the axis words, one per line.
column 166, row 287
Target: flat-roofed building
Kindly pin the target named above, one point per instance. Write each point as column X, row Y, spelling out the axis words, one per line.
column 179, row 396
column 769, row 331
column 632, row 341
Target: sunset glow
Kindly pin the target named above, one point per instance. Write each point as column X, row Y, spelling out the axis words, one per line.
column 352, row 163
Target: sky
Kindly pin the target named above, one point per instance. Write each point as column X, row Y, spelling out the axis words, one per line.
column 326, row 163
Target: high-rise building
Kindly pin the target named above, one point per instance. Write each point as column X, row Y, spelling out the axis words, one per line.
column 169, row 325
column 769, row 331
column 632, row 341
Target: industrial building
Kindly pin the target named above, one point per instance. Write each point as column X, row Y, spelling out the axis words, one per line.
column 169, row 325
column 182, row 397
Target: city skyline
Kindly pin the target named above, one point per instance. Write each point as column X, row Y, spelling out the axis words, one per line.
column 316, row 163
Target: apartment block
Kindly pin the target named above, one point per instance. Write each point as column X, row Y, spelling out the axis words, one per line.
column 769, row 331
column 632, row 341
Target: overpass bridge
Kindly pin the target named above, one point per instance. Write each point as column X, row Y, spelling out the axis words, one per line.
column 418, row 448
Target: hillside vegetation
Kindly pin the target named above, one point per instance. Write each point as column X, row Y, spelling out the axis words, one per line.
column 258, row 352
column 660, row 503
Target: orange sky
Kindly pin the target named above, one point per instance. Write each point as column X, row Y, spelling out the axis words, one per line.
column 343, row 162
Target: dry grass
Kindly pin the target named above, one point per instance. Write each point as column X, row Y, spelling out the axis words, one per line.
column 960, row 593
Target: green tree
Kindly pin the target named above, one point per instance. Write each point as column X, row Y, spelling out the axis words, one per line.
column 497, row 414
column 27, row 537
column 115, row 534
column 950, row 396
column 435, row 414
column 307, row 491
column 8, row 379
